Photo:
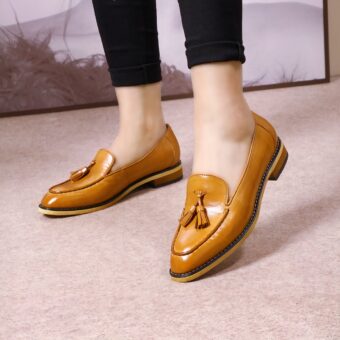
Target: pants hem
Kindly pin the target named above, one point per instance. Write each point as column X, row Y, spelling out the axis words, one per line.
column 136, row 75
column 215, row 51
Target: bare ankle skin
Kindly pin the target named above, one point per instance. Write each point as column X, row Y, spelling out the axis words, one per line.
column 141, row 122
column 223, row 121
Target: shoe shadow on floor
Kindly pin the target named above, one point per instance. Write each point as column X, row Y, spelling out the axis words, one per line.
column 273, row 234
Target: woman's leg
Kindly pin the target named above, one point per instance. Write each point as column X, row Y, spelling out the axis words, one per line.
column 223, row 121
column 128, row 30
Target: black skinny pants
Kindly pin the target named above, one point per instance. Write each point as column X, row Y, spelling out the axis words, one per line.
column 128, row 30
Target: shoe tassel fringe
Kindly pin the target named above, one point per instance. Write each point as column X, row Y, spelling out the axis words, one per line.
column 78, row 174
column 197, row 210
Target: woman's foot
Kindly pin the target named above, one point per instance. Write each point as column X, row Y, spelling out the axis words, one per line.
column 144, row 151
column 224, row 124
column 212, row 224
column 96, row 186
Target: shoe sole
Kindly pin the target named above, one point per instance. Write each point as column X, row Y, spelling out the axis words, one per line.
column 272, row 172
column 156, row 180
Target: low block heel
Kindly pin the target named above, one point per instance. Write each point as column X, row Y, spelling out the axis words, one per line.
column 275, row 174
column 168, row 178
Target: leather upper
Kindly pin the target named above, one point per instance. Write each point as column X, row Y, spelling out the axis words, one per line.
column 227, row 216
column 95, row 183
column 102, row 164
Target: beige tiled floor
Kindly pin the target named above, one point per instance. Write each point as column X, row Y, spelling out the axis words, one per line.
column 105, row 275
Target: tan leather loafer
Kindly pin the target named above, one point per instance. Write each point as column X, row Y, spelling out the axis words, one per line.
column 95, row 187
column 213, row 225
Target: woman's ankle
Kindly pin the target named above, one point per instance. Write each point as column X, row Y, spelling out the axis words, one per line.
column 222, row 144
column 136, row 137
column 233, row 123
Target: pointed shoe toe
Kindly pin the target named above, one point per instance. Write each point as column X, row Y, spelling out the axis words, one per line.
column 213, row 224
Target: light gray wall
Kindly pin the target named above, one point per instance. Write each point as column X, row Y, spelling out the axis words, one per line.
column 334, row 35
